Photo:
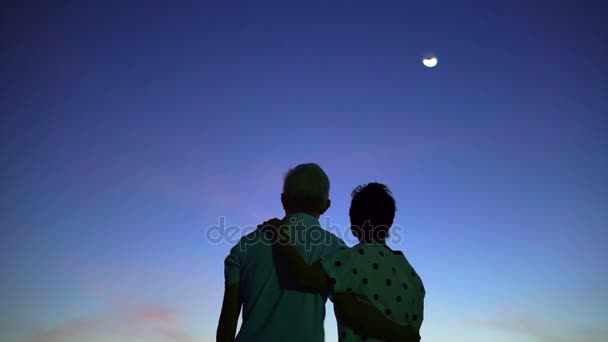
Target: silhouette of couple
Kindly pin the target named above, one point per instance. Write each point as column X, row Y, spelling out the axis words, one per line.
column 283, row 272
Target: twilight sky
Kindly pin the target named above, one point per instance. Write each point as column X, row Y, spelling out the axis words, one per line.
column 128, row 128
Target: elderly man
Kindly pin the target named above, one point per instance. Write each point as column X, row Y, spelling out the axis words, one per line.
column 273, row 309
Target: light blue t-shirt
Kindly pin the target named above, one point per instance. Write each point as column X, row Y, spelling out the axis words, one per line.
column 271, row 313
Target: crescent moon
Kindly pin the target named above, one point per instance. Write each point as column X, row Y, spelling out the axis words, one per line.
column 430, row 62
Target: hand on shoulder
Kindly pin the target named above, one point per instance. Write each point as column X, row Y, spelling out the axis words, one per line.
column 274, row 227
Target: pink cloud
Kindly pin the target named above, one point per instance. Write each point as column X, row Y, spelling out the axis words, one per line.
column 221, row 192
column 269, row 177
column 215, row 189
column 154, row 314
column 170, row 188
column 393, row 151
column 540, row 330
column 522, row 326
column 145, row 322
column 210, row 190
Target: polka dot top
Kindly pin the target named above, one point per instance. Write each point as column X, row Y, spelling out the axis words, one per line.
column 383, row 276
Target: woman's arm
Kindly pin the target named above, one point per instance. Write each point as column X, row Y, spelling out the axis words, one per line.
column 368, row 321
column 362, row 317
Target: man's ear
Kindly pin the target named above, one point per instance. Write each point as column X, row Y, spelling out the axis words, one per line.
column 325, row 206
column 284, row 201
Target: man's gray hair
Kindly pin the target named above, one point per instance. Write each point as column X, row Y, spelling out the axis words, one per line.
column 306, row 181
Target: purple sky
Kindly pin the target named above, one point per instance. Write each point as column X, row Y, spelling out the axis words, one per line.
column 127, row 131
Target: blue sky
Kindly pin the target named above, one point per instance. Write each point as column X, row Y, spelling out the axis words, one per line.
column 129, row 129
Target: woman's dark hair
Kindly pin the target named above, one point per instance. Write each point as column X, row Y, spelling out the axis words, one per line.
column 372, row 211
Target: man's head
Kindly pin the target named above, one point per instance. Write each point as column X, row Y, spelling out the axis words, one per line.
column 372, row 211
column 306, row 190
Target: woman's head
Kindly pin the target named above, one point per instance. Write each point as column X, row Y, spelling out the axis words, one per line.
column 372, row 211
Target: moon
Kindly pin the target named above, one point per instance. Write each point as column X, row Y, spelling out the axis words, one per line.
column 430, row 62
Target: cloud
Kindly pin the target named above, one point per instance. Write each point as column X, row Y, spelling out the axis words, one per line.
column 521, row 326
column 393, row 151
column 128, row 311
column 220, row 191
column 150, row 323
column 593, row 334
column 216, row 188
column 541, row 330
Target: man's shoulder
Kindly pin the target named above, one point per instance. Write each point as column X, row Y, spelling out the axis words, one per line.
column 322, row 231
column 322, row 241
column 311, row 226
column 329, row 237
column 250, row 239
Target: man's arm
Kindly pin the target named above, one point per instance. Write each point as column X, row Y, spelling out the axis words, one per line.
column 231, row 309
column 368, row 321
column 310, row 278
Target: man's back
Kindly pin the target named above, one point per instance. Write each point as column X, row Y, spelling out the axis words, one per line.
column 270, row 311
